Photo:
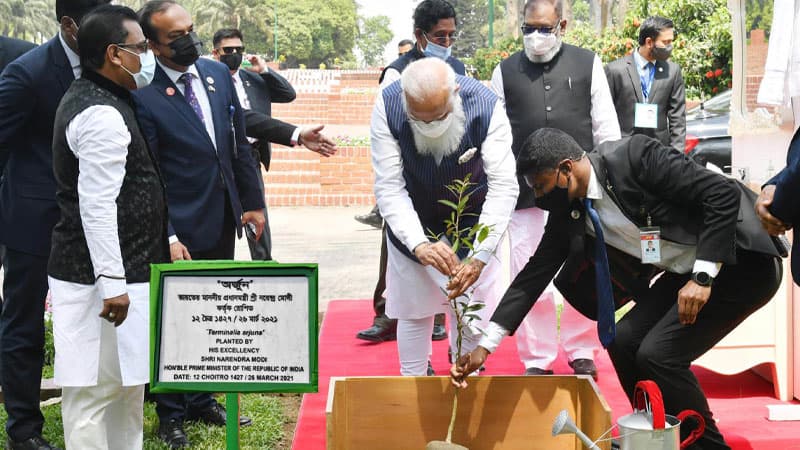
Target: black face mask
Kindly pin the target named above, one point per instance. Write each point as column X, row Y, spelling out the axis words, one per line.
column 233, row 60
column 662, row 53
column 555, row 201
column 186, row 49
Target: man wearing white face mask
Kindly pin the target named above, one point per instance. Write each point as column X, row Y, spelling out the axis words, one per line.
column 555, row 85
column 113, row 225
column 429, row 129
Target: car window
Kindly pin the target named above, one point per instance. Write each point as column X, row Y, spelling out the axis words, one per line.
column 718, row 104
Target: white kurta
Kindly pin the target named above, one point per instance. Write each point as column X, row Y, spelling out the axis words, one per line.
column 99, row 139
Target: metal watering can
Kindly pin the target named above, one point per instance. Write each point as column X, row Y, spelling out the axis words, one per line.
column 649, row 428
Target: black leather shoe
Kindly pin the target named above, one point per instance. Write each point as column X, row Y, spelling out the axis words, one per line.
column 537, row 371
column 32, row 443
column 377, row 333
column 373, row 219
column 172, row 433
column 430, row 373
column 583, row 366
column 214, row 415
column 439, row 333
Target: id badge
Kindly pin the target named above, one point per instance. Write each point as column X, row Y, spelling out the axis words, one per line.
column 650, row 240
column 645, row 115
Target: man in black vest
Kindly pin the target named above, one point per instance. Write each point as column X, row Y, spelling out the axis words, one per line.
column 113, row 225
column 435, row 29
column 257, row 88
column 551, row 84
column 717, row 265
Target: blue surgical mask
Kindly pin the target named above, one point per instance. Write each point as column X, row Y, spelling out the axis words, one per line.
column 436, row 50
column 148, row 70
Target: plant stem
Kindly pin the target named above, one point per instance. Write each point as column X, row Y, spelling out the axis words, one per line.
column 449, row 439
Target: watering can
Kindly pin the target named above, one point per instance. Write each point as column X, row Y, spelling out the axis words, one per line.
column 649, row 428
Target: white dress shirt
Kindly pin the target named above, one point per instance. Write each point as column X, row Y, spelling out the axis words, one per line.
column 605, row 126
column 199, row 91
column 72, row 57
column 396, row 206
column 244, row 100
column 622, row 234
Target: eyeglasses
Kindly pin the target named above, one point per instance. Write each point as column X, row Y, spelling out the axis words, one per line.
column 442, row 40
column 230, row 50
column 528, row 29
column 140, row 47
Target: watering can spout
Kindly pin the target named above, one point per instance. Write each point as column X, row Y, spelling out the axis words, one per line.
column 565, row 425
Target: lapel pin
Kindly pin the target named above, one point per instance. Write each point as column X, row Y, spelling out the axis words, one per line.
column 247, row 83
column 170, row 91
column 660, row 69
column 211, row 89
column 575, row 214
column 209, row 80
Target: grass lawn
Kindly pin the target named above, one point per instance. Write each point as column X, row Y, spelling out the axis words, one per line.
column 274, row 417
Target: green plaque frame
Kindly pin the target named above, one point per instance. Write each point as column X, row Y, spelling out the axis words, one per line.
column 231, row 269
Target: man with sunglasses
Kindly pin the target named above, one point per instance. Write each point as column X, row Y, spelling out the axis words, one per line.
column 113, row 225
column 192, row 119
column 551, row 84
column 257, row 87
column 30, row 89
column 435, row 31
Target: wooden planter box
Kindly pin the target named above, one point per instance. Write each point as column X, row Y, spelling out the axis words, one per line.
column 514, row 413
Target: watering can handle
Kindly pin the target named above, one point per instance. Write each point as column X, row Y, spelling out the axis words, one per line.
column 656, row 402
column 697, row 432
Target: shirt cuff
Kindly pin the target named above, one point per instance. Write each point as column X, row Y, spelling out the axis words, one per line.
column 483, row 256
column 173, row 239
column 494, row 334
column 111, row 287
column 296, row 137
column 708, row 267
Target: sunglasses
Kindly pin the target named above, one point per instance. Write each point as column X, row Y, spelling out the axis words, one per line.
column 231, row 50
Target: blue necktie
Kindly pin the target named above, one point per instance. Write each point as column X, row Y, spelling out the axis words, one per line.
column 647, row 82
column 606, row 327
column 188, row 93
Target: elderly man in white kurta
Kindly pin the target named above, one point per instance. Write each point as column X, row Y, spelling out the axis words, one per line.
column 428, row 129
column 113, row 225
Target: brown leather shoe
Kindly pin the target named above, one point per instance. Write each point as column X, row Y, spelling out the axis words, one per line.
column 584, row 366
column 537, row 371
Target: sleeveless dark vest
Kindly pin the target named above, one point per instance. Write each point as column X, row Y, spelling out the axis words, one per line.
column 141, row 204
column 556, row 94
column 414, row 54
column 425, row 180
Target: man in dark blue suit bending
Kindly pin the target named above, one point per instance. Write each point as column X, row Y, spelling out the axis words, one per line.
column 30, row 89
column 191, row 117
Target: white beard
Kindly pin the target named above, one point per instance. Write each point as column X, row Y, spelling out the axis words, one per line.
column 547, row 57
column 447, row 143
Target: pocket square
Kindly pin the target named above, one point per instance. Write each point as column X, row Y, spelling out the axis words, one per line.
column 467, row 155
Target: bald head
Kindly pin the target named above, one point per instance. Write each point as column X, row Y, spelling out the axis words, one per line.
column 428, row 86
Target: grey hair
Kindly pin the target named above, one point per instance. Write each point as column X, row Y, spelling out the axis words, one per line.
column 557, row 4
column 424, row 77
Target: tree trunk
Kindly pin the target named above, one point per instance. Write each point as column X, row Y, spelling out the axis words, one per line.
column 514, row 17
column 567, row 11
column 622, row 10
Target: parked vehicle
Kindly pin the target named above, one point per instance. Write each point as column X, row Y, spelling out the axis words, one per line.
column 707, row 138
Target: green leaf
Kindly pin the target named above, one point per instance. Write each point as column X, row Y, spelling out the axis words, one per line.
column 449, row 204
column 483, row 234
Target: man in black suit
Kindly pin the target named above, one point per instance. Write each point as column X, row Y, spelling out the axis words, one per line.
column 10, row 49
column 778, row 206
column 717, row 265
column 257, row 87
column 30, row 89
column 648, row 89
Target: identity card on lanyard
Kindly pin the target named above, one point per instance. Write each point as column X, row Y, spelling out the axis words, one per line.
column 650, row 239
column 645, row 114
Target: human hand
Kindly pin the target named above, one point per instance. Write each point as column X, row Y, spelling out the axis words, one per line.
column 772, row 224
column 439, row 255
column 466, row 275
column 178, row 251
column 691, row 299
column 257, row 64
column 466, row 365
column 256, row 217
column 115, row 309
column 312, row 139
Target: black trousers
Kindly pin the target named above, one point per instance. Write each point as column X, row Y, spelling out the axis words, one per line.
column 175, row 406
column 22, row 341
column 378, row 300
column 261, row 250
column 651, row 343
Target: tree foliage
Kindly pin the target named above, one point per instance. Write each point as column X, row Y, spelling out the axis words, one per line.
column 472, row 18
column 31, row 20
column 374, row 34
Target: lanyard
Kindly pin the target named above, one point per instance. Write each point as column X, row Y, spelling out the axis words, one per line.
column 647, row 82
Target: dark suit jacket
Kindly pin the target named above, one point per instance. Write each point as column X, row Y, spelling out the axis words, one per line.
column 691, row 204
column 30, row 90
column 200, row 178
column 786, row 204
column 263, row 90
column 11, row 49
column 667, row 92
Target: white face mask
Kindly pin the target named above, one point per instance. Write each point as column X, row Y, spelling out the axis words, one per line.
column 148, row 68
column 539, row 43
column 433, row 129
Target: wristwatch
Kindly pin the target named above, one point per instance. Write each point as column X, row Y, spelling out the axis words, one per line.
column 703, row 279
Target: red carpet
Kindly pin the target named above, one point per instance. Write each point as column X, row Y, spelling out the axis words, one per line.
column 738, row 401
